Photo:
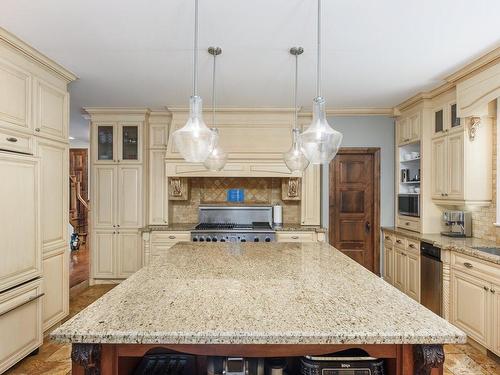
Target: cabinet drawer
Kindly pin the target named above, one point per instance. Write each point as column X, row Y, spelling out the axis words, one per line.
column 400, row 242
column 170, row 236
column 20, row 323
column 409, row 223
column 17, row 142
column 413, row 246
column 295, row 237
column 389, row 238
column 476, row 267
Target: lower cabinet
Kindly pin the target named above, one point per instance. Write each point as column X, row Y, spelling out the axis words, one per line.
column 475, row 300
column 299, row 236
column 159, row 242
column 55, row 302
column 116, row 254
column 388, row 260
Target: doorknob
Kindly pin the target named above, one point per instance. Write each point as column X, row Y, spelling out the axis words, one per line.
column 367, row 227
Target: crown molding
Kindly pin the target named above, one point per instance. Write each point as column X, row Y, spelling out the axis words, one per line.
column 360, row 111
column 20, row 46
column 117, row 110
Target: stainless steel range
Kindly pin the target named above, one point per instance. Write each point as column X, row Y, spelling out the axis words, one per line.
column 234, row 224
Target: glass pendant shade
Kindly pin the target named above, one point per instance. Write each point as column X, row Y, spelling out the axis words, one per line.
column 295, row 159
column 194, row 140
column 320, row 142
column 217, row 158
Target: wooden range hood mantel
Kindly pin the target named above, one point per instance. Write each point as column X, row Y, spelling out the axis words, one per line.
column 255, row 140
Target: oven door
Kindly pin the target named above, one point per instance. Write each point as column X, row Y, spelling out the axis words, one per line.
column 409, row 204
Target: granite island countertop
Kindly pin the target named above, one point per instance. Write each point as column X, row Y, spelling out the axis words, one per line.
column 245, row 293
column 459, row 245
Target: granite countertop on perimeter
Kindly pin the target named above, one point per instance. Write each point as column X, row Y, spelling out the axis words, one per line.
column 245, row 293
column 180, row 227
column 459, row 245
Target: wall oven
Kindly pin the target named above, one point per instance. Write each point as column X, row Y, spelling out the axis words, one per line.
column 409, row 204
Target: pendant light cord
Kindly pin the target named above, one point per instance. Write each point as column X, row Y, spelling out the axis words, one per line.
column 195, row 52
column 318, row 67
column 213, row 91
column 295, row 125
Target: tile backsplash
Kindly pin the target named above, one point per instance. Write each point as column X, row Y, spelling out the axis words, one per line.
column 213, row 190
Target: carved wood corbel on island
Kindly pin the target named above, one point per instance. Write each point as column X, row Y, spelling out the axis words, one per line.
column 255, row 300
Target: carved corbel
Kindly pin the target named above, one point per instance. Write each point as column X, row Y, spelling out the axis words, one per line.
column 87, row 356
column 427, row 357
column 473, row 125
column 290, row 189
column 178, row 189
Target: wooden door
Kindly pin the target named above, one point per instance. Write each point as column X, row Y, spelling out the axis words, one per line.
column 20, row 220
column 129, row 197
column 469, row 306
column 439, row 169
column 354, row 205
column 455, row 166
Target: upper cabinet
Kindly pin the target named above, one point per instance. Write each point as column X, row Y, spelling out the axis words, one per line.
column 409, row 128
column 445, row 120
column 118, row 142
column 51, row 111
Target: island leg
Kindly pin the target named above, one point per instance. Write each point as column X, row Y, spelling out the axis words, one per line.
column 428, row 359
column 86, row 359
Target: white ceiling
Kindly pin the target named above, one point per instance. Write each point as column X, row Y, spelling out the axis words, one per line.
column 139, row 53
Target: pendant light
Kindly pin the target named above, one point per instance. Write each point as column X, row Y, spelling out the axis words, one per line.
column 320, row 142
column 295, row 159
column 194, row 141
column 217, row 158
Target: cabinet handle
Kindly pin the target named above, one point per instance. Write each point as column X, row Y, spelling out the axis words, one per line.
column 412, row 246
column 398, row 241
column 468, row 265
column 171, row 237
column 295, row 237
column 11, row 139
column 31, row 299
column 37, row 129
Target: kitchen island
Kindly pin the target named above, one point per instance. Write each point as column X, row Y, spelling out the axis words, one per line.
column 255, row 300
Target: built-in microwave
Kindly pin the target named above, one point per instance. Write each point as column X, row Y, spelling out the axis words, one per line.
column 409, row 204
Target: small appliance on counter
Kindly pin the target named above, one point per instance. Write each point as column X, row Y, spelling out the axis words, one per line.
column 459, row 223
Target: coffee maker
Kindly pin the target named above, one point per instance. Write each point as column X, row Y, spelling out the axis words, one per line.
column 459, row 223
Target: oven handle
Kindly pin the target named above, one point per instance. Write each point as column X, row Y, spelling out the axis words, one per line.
column 31, row 299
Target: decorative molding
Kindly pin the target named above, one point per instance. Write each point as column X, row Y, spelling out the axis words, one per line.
column 427, row 357
column 473, row 125
column 291, row 189
column 178, row 189
column 87, row 356
column 17, row 44
column 360, row 111
column 446, row 259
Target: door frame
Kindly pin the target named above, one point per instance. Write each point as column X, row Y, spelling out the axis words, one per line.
column 375, row 151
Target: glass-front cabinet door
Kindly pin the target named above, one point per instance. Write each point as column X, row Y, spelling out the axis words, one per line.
column 130, row 143
column 105, row 143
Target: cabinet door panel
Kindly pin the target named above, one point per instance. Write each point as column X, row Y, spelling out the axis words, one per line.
column 413, row 276
column 105, row 139
column 495, row 323
column 158, row 200
column 399, row 269
column 311, row 195
column 439, row 168
column 158, row 135
column 414, row 127
column 15, row 97
column 389, row 263
column 128, row 252
column 19, row 222
column 402, row 129
column 103, row 255
column 129, row 196
column 456, row 166
column 52, row 111
column 104, row 196
column 130, row 143
column 469, row 310
column 55, row 305
column 54, row 194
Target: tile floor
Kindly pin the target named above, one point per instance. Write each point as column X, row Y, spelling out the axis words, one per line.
column 54, row 359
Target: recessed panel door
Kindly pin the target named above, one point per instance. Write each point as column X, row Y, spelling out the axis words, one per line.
column 129, row 196
column 352, row 206
column 104, row 201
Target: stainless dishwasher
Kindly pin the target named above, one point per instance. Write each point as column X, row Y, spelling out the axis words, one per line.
column 431, row 277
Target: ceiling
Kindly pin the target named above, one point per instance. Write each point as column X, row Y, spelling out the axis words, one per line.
column 139, row 53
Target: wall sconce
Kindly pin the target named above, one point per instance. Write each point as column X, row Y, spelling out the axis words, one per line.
column 473, row 125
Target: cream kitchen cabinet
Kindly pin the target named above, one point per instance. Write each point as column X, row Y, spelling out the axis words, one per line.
column 310, row 204
column 389, row 259
column 445, row 120
column 117, row 142
column 459, row 163
column 157, row 243
column 408, row 128
column 117, row 254
column 475, row 299
column 55, row 302
column 287, row 236
column 117, row 196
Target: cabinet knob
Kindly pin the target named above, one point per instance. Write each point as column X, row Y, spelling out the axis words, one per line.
column 37, row 129
column 493, row 291
column 118, row 225
column 114, row 226
column 485, row 288
column 11, row 139
column 412, row 246
column 407, row 223
column 387, row 237
column 398, row 241
column 468, row 265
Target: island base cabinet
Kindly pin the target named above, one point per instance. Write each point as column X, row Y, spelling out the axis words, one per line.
column 469, row 310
